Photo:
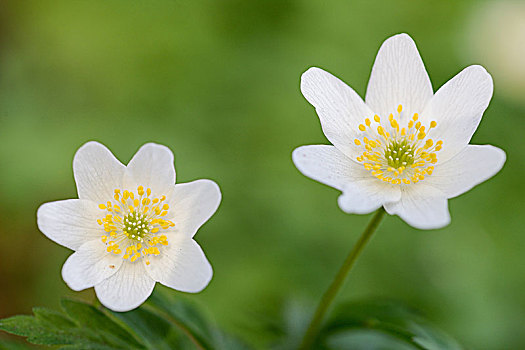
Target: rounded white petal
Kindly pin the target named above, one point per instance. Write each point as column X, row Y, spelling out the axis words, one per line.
column 421, row 206
column 338, row 106
column 151, row 167
column 97, row 172
column 129, row 287
column 328, row 165
column 467, row 169
column 70, row 222
column 90, row 265
column 367, row 195
column 192, row 204
column 398, row 78
column 457, row 108
column 181, row 265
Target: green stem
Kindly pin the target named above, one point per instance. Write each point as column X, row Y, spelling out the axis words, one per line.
column 331, row 292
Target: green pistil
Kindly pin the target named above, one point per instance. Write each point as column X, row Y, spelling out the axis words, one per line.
column 399, row 153
column 136, row 226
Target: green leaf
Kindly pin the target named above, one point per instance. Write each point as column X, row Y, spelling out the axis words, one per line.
column 384, row 321
column 89, row 317
column 154, row 330
column 194, row 323
column 161, row 324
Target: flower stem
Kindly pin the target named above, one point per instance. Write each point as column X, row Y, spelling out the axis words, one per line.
column 339, row 279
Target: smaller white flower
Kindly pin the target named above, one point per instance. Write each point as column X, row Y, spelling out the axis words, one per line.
column 404, row 147
column 132, row 226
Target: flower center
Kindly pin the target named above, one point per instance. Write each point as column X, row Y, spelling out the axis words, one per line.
column 132, row 224
column 398, row 155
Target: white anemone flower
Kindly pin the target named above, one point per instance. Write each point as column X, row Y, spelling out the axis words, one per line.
column 132, row 226
column 404, row 147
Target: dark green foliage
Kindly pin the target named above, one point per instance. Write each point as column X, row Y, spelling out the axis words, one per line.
column 159, row 324
column 365, row 325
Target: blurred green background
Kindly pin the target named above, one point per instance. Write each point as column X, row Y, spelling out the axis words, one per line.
column 218, row 82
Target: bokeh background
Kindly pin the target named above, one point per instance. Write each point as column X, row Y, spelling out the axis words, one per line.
column 218, row 82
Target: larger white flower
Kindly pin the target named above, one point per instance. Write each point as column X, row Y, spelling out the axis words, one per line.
column 405, row 148
column 132, row 226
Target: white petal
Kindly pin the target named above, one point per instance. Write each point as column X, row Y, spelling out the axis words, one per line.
column 328, row 165
column 339, row 108
column 97, row 172
column 182, row 265
column 90, row 265
column 151, row 167
column 398, row 78
column 192, row 204
column 457, row 108
column 467, row 169
column 367, row 195
column 126, row 289
column 70, row 222
column 421, row 206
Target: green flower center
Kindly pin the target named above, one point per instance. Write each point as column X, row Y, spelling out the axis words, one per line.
column 136, row 226
column 399, row 153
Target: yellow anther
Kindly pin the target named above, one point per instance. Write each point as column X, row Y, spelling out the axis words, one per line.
column 165, row 206
column 155, row 230
column 403, row 132
column 362, row 127
column 406, row 181
column 359, row 159
column 104, row 239
column 415, row 116
column 148, row 192
column 147, row 262
column 410, row 124
column 126, row 194
column 155, row 201
column 136, row 203
column 390, row 116
column 117, row 191
column 116, row 197
column 102, row 206
column 376, row 118
column 380, row 130
column 399, row 109
column 357, row 142
column 390, row 169
column 418, row 125
column 117, row 251
column 117, row 209
column 429, row 143
column 438, row 148
column 367, row 122
column 421, row 135
column 99, row 221
column 131, row 195
column 433, row 124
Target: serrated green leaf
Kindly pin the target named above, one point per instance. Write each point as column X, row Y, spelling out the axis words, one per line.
column 88, row 316
column 38, row 332
column 53, row 318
